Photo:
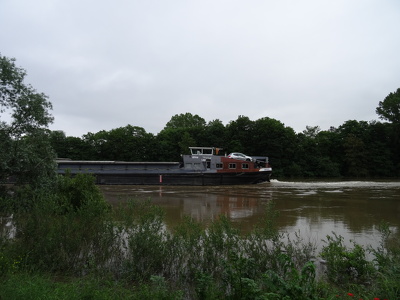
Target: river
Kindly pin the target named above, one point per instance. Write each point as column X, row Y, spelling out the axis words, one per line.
column 315, row 209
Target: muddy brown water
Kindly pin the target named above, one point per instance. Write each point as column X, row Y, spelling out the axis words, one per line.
column 315, row 209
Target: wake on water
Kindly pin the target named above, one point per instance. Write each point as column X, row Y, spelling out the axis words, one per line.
column 336, row 184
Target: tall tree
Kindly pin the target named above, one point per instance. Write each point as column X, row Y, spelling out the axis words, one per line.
column 389, row 108
column 239, row 135
column 380, row 149
column 277, row 141
column 214, row 134
column 24, row 117
column 71, row 147
column 311, row 131
column 181, row 131
column 355, row 156
column 129, row 143
column 186, row 120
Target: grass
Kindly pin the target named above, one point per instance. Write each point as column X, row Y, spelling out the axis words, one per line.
column 36, row 286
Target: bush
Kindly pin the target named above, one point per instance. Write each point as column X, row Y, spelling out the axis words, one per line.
column 346, row 266
column 387, row 260
column 66, row 229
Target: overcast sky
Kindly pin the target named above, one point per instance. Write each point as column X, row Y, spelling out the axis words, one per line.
column 107, row 64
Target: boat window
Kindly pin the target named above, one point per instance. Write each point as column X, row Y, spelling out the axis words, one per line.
column 245, row 166
column 201, row 151
column 232, row 166
column 219, row 166
column 208, row 151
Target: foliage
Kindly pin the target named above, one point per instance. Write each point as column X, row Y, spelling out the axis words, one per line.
column 146, row 241
column 28, row 109
column 25, row 151
column 355, row 156
column 71, row 147
column 78, row 192
column 181, row 132
column 389, row 108
column 292, row 283
column 346, row 266
column 64, row 227
column 62, row 250
column 387, row 260
column 27, row 286
column 186, row 120
column 354, row 149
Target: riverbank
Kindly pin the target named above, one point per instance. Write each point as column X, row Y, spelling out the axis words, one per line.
column 63, row 248
column 130, row 255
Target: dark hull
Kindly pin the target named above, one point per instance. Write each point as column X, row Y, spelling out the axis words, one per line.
column 194, row 179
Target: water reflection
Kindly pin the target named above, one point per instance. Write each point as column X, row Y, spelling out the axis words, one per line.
column 353, row 209
column 204, row 204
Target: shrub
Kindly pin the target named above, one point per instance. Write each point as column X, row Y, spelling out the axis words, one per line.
column 346, row 266
column 65, row 228
column 387, row 260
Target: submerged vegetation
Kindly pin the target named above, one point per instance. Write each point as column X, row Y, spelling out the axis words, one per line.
column 68, row 243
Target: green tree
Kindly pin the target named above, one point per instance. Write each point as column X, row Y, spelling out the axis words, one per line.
column 71, row 147
column 239, row 135
column 312, row 131
column 380, row 149
column 272, row 138
column 171, row 143
column 186, row 120
column 355, row 156
column 181, row 132
column 25, row 150
column 389, row 108
column 186, row 142
column 58, row 142
column 354, row 150
column 214, row 134
column 129, row 143
column 329, row 146
column 98, row 143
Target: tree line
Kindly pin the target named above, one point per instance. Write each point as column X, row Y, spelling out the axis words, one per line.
column 354, row 149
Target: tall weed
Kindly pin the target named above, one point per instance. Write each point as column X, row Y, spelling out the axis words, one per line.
column 387, row 260
column 346, row 266
column 147, row 242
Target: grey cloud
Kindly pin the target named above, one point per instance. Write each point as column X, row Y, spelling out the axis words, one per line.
column 108, row 64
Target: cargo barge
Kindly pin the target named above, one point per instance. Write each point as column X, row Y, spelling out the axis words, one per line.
column 203, row 166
